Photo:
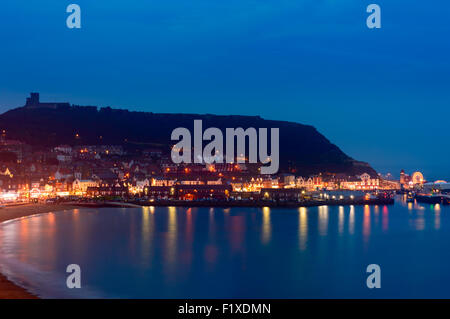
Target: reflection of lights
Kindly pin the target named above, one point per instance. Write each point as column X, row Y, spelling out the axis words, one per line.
column 24, row 229
column 145, row 221
column 377, row 213
column 437, row 218
column 351, row 224
column 385, row 218
column 51, row 219
column 323, row 220
column 147, row 231
column 211, row 218
column 172, row 236
column 420, row 221
column 303, row 227
column 266, row 225
column 366, row 223
column 172, row 216
column 341, row 219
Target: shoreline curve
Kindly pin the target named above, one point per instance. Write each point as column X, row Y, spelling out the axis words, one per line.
column 8, row 289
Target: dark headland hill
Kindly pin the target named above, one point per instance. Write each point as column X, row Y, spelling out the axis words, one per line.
column 302, row 148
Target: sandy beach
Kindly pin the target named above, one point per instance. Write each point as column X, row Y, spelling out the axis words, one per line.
column 8, row 290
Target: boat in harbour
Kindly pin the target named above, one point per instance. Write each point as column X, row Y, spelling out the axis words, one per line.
column 410, row 197
column 446, row 199
column 429, row 198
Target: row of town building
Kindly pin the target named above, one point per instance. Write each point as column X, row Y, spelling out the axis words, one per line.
column 113, row 170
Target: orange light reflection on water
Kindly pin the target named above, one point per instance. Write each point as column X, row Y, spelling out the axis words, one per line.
column 366, row 223
column 341, row 220
column 266, row 227
column 303, row 228
column 385, row 220
column 171, row 239
column 437, row 216
column 351, row 220
column 323, row 220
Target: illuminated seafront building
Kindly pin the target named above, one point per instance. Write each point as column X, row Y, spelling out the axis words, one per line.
column 439, row 186
column 310, row 184
column 363, row 182
column 413, row 181
column 252, row 184
column 80, row 187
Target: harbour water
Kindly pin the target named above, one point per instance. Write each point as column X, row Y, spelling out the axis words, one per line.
column 168, row 252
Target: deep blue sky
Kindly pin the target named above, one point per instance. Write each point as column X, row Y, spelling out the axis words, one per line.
column 381, row 95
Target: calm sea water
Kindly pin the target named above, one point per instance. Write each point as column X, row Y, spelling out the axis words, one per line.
column 319, row 252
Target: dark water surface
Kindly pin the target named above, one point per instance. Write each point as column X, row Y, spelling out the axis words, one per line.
column 153, row 252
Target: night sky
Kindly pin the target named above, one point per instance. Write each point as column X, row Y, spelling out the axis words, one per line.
column 381, row 95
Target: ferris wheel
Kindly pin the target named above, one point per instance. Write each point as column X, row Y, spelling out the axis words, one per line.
column 417, row 178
